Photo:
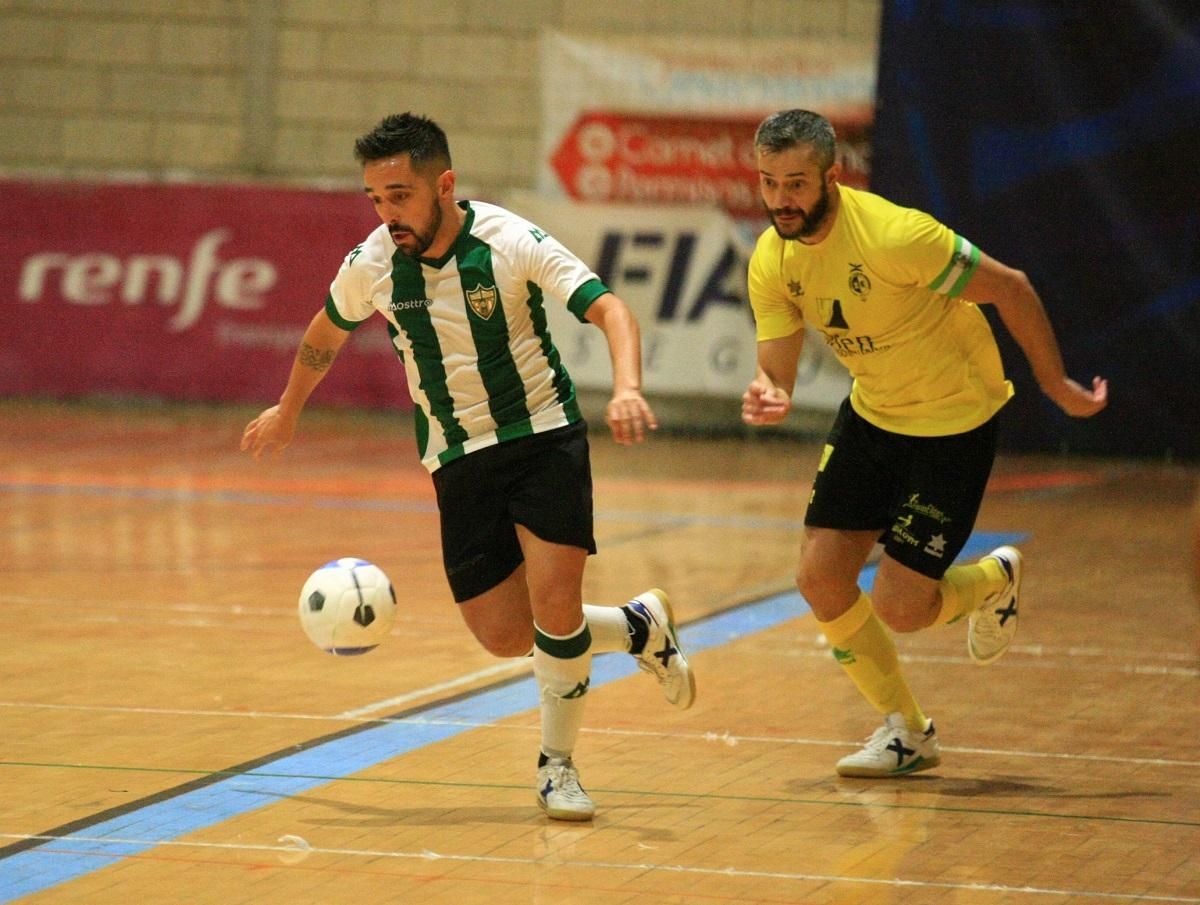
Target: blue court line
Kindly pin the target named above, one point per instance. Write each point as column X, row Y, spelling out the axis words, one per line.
column 62, row 860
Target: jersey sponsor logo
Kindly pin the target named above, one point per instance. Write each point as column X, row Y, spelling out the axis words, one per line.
column 408, row 304
column 482, row 300
column 833, row 318
column 848, row 346
column 831, row 314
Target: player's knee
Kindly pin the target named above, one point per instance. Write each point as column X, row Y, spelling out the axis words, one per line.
column 502, row 641
column 817, row 584
column 903, row 613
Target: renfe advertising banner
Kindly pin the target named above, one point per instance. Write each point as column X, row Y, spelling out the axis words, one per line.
column 188, row 292
column 202, row 292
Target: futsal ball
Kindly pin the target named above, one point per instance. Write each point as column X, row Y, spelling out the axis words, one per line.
column 347, row 607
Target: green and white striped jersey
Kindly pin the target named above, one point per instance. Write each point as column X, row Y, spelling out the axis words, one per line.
column 470, row 328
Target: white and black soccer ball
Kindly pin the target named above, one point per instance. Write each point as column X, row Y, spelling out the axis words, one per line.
column 347, row 607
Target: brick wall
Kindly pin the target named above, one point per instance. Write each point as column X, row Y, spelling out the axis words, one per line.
column 278, row 89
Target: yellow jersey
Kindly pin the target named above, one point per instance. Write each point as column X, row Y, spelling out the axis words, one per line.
column 883, row 289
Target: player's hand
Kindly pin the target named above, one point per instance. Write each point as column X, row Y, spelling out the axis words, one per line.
column 1079, row 401
column 765, row 403
column 629, row 417
column 270, row 431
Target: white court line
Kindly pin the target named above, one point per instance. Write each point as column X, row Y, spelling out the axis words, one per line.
column 1053, row 660
column 287, row 613
column 216, row 609
column 295, row 853
column 512, row 666
column 710, row 736
column 1039, row 656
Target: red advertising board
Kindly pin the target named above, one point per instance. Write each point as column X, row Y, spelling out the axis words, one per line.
column 631, row 157
column 184, row 292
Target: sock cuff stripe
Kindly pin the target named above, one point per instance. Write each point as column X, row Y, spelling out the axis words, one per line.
column 564, row 648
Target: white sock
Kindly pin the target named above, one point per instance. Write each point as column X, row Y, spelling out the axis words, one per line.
column 609, row 628
column 562, row 666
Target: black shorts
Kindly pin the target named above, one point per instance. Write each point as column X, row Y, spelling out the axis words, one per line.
column 921, row 493
column 542, row 481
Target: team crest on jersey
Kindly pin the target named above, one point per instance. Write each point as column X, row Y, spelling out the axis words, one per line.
column 482, row 300
column 859, row 282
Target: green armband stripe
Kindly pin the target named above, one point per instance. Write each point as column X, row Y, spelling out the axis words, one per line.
column 960, row 269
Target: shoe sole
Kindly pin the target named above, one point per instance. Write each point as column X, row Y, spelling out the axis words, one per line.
column 1014, row 560
column 554, row 814
column 921, row 763
column 661, row 595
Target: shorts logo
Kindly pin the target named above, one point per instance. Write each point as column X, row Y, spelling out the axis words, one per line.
column 482, row 300
column 927, row 509
column 936, row 546
column 901, row 533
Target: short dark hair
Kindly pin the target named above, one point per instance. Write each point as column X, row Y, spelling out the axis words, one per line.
column 788, row 128
column 405, row 133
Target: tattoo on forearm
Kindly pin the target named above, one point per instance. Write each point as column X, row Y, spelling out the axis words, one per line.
column 316, row 359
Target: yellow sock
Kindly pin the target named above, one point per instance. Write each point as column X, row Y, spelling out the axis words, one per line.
column 964, row 588
column 864, row 649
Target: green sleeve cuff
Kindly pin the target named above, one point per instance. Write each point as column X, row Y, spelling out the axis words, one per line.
column 336, row 316
column 581, row 299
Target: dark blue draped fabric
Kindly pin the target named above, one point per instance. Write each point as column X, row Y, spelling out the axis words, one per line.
column 1063, row 138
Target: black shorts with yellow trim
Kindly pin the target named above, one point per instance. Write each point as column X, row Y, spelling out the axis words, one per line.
column 921, row 493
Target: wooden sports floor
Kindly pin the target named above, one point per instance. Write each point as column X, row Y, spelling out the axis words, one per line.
column 168, row 734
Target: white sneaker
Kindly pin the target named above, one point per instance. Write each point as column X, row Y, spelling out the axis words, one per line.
column 559, row 792
column 893, row 750
column 991, row 627
column 662, row 656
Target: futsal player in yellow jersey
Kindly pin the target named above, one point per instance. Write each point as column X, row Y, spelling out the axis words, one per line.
column 894, row 294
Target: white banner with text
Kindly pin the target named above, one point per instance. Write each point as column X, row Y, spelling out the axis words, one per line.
column 682, row 270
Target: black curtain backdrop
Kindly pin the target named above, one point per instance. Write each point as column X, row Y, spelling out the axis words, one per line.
column 1063, row 138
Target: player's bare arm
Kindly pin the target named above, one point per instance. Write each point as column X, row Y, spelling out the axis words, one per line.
column 1024, row 316
column 274, row 428
column 768, row 399
column 316, row 359
column 628, row 414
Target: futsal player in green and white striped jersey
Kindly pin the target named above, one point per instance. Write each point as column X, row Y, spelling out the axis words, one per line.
column 463, row 287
